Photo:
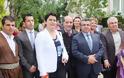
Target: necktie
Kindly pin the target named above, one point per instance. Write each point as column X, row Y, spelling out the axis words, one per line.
column 89, row 41
column 69, row 33
column 32, row 39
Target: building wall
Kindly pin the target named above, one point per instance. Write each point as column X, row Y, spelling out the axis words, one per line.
column 117, row 6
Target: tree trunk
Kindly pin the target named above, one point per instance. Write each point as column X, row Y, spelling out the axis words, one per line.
column 11, row 8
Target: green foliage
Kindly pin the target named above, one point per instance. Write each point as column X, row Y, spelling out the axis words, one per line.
column 88, row 7
column 39, row 8
column 2, row 11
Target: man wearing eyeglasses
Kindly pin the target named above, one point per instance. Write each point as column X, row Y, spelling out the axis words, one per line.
column 88, row 50
column 9, row 59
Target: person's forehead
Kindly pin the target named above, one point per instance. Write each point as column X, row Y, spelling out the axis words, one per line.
column 29, row 17
column 8, row 21
column 113, row 21
column 51, row 17
column 93, row 21
column 68, row 18
column 85, row 22
column 77, row 19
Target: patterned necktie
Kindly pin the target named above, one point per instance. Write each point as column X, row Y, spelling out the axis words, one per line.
column 32, row 39
column 89, row 41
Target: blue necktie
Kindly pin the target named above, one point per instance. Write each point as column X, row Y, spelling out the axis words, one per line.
column 89, row 41
column 32, row 39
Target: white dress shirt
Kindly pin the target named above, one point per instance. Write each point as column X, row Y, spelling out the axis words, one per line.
column 117, row 41
column 28, row 33
column 89, row 40
column 11, row 42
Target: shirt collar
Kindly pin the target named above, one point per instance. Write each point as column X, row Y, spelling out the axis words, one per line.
column 7, row 36
column 86, row 33
column 28, row 31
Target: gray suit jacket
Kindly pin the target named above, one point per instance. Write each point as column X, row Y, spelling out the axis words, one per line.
column 81, row 51
column 110, row 46
column 27, row 54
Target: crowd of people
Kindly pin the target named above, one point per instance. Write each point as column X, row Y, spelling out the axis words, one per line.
column 76, row 49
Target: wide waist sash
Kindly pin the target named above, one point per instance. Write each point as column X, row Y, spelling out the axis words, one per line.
column 9, row 66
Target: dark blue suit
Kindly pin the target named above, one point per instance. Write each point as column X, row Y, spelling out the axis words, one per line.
column 81, row 51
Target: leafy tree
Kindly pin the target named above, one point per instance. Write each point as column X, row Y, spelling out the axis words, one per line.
column 2, row 11
column 88, row 7
column 39, row 8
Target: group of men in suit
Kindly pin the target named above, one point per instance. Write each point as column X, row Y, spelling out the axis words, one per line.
column 86, row 48
column 84, row 58
column 87, row 58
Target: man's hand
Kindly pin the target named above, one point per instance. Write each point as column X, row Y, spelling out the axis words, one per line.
column 106, row 64
column 91, row 59
column 32, row 69
column 46, row 76
column 64, row 60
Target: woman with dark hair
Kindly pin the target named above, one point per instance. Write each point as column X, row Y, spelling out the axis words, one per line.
column 77, row 24
column 49, row 46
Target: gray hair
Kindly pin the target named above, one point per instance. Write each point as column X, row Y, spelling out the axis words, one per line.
column 110, row 19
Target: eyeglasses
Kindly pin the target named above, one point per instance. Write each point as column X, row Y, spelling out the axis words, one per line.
column 13, row 25
column 85, row 25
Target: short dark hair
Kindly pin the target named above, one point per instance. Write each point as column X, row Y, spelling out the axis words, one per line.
column 25, row 15
column 10, row 18
column 50, row 14
column 86, row 19
column 76, row 18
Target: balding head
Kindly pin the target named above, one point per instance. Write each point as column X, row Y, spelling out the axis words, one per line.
column 68, row 23
column 68, row 18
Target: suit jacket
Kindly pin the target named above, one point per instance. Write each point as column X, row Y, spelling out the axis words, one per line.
column 81, row 51
column 102, row 37
column 110, row 46
column 27, row 54
column 68, row 42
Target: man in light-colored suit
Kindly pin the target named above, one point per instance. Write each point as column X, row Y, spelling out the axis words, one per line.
column 88, row 50
column 28, row 55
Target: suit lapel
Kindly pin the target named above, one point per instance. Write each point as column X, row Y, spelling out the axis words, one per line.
column 110, row 39
column 26, row 38
column 122, row 36
column 84, row 41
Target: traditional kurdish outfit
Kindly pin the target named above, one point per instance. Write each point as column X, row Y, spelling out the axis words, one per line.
column 9, row 60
